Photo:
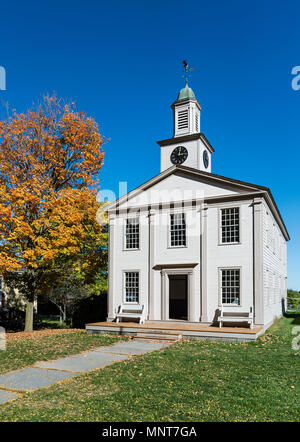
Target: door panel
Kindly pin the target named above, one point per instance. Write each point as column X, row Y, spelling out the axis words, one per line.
column 178, row 301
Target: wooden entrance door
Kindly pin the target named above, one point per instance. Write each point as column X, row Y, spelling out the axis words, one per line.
column 178, row 297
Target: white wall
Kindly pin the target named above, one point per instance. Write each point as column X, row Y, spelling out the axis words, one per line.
column 218, row 256
column 129, row 260
column 237, row 255
column 166, row 255
column 274, row 266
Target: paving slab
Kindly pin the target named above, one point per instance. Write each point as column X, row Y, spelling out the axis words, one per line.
column 29, row 379
column 83, row 362
column 6, row 396
column 132, row 347
column 44, row 374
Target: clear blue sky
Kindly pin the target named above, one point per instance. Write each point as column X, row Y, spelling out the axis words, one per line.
column 121, row 62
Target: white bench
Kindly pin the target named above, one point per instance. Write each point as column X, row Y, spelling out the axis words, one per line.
column 230, row 314
column 134, row 311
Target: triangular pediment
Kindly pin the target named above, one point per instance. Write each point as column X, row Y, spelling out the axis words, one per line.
column 183, row 184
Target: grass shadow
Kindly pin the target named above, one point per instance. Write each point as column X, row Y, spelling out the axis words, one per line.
column 294, row 316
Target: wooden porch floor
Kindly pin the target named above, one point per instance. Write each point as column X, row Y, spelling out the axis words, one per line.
column 177, row 326
column 185, row 329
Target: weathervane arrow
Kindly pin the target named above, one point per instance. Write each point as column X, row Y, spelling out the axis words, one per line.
column 187, row 69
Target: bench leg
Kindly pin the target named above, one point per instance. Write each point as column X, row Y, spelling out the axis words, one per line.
column 220, row 324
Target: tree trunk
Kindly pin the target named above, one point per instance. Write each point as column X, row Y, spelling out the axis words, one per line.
column 65, row 313
column 29, row 317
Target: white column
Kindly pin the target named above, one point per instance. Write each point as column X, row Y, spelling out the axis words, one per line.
column 258, row 262
column 111, row 253
column 203, row 263
column 151, row 283
column 164, row 296
column 192, row 312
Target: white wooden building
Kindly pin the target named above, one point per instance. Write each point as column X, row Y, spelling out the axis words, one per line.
column 188, row 243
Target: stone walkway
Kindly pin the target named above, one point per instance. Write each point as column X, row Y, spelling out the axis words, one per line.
column 44, row 374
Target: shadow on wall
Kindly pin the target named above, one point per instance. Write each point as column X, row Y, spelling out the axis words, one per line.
column 215, row 319
column 283, row 306
column 91, row 309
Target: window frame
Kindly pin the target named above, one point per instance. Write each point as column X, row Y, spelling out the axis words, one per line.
column 221, row 243
column 181, row 212
column 221, row 304
column 125, row 248
column 124, row 286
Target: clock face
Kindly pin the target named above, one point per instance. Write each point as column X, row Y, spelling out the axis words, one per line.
column 205, row 159
column 179, row 155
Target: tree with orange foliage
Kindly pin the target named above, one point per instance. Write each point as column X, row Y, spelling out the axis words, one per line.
column 50, row 158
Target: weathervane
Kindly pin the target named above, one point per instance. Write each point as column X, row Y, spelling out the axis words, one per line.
column 187, row 69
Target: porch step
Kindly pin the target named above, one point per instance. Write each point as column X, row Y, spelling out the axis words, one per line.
column 158, row 331
column 160, row 337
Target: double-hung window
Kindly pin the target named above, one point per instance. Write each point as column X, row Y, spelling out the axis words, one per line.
column 132, row 233
column 177, row 230
column 230, row 225
column 230, row 286
column 131, row 280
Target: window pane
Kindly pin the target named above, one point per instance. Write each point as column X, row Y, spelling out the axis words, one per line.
column 177, row 229
column 230, row 225
column 230, row 286
column 132, row 233
column 132, row 286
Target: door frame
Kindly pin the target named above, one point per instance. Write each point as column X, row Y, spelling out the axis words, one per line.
column 165, row 290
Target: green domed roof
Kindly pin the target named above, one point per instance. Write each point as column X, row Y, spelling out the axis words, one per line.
column 185, row 94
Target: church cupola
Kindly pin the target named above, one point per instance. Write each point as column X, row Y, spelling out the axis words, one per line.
column 186, row 113
column 188, row 146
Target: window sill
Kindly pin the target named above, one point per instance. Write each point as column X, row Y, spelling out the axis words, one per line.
column 177, row 247
column 230, row 305
column 230, row 243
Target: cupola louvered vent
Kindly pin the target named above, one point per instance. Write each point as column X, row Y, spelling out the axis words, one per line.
column 183, row 119
column 197, row 122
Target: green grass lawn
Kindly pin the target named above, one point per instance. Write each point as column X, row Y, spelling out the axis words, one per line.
column 42, row 346
column 189, row 381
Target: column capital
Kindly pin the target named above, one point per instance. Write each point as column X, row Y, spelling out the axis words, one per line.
column 112, row 220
